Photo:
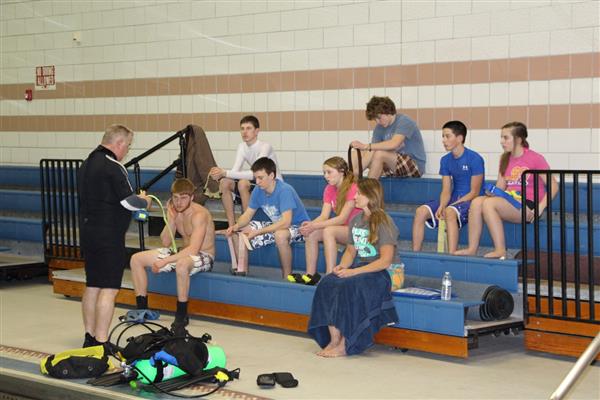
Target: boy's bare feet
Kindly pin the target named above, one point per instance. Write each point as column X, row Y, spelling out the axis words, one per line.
column 465, row 252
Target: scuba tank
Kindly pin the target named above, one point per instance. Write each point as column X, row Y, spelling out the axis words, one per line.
column 149, row 368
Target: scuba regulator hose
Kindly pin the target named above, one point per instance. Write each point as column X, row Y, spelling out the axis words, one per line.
column 142, row 216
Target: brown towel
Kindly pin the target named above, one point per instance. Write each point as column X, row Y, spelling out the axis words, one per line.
column 199, row 160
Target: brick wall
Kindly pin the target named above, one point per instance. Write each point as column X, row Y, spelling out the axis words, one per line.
column 306, row 68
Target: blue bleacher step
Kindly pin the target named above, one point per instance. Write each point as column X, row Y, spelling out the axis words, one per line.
column 503, row 273
column 410, row 190
column 20, row 200
column 16, row 228
column 264, row 288
column 419, row 190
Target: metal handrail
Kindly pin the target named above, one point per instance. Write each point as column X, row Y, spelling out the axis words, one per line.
column 60, row 203
column 555, row 240
column 590, row 353
column 178, row 135
column 181, row 162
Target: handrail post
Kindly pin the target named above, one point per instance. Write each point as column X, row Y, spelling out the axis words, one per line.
column 524, row 250
column 182, row 155
column 583, row 361
column 136, row 172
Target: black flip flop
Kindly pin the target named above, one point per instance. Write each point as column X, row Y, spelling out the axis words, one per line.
column 285, row 379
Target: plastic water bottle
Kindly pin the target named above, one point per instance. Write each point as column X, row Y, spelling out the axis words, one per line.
column 446, row 286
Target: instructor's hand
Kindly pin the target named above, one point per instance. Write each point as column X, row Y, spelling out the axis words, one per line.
column 146, row 198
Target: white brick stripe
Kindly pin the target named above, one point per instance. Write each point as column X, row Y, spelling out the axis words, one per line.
column 304, row 152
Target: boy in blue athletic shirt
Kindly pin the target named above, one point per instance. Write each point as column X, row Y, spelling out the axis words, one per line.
column 284, row 208
column 462, row 172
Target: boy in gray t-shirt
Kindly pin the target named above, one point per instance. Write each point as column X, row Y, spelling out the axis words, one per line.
column 397, row 146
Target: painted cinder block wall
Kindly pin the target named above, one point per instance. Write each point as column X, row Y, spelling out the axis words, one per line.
column 306, row 68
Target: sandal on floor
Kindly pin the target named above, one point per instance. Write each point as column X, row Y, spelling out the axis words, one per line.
column 311, row 280
column 285, row 379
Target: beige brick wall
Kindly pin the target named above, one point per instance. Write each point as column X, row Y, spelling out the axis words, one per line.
column 307, row 68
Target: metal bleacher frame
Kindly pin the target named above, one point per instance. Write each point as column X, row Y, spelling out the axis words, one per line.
column 555, row 321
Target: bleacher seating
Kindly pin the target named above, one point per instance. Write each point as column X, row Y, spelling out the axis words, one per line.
column 412, row 193
column 263, row 290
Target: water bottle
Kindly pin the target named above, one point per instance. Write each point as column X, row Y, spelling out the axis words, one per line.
column 446, row 286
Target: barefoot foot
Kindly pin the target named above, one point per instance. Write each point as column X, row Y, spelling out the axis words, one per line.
column 465, row 252
column 496, row 254
column 325, row 350
column 337, row 351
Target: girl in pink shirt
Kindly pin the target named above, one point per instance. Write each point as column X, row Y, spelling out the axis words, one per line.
column 338, row 197
column 517, row 157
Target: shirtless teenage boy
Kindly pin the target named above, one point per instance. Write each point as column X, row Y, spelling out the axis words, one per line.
column 195, row 225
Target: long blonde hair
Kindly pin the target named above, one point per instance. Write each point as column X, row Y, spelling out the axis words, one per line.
column 518, row 130
column 372, row 190
column 339, row 164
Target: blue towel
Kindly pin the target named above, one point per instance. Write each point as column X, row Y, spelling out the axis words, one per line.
column 358, row 306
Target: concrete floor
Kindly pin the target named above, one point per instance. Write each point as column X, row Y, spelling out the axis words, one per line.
column 34, row 318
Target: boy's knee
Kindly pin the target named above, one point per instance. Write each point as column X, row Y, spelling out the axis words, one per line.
column 282, row 237
column 422, row 213
column 377, row 156
column 244, row 185
column 137, row 260
column 477, row 203
column 182, row 267
column 488, row 205
column 450, row 215
column 226, row 184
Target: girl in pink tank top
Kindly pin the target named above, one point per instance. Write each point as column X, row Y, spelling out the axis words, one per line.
column 338, row 197
column 517, row 157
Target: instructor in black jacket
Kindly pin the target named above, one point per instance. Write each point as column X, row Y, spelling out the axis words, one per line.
column 106, row 201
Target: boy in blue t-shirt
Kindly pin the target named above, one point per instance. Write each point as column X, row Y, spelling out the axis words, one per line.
column 284, row 208
column 462, row 172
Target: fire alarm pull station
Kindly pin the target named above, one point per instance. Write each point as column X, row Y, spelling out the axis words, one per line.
column 28, row 94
